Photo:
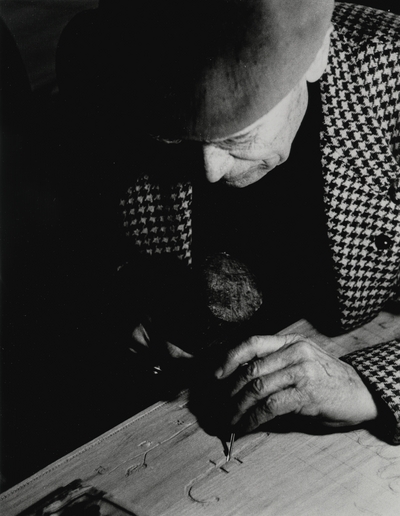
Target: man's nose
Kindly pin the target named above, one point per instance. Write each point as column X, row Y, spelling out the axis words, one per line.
column 217, row 162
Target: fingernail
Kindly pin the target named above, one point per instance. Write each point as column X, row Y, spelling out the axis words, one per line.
column 219, row 372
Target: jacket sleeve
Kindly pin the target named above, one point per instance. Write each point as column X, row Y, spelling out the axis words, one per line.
column 379, row 367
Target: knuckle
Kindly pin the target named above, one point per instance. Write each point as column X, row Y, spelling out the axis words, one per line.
column 255, row 342
column 304, row 349
column 252, row 369
column 255, row 339
column 290, row 376
column 257, row 387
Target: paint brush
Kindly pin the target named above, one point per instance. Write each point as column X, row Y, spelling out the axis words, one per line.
column 230, row 447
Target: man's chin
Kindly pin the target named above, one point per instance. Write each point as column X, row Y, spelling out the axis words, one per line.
column 247, row 178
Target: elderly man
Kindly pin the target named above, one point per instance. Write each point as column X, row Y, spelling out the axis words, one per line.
column 291, row 112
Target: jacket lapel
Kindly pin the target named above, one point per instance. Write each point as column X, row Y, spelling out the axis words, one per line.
column 363, row 216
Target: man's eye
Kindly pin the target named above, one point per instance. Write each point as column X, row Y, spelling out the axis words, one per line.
column 237, row 146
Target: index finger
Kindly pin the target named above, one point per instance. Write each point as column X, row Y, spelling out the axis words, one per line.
column 255, row 347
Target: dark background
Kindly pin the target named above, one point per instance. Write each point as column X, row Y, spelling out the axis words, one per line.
column 66, row 373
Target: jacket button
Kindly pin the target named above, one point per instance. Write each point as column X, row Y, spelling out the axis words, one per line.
column 383, row 242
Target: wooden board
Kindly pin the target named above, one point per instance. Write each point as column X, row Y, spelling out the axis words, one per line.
column 160, row 462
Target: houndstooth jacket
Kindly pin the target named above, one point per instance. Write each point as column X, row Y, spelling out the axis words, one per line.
column 360, row 145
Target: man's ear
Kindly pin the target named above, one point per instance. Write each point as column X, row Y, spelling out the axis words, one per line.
column 320, row 62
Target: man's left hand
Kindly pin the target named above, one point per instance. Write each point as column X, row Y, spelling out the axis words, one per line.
column 275, row 375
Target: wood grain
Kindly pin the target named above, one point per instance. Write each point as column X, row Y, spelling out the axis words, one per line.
column 160, row 462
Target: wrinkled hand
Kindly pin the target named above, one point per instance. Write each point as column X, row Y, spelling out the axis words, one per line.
column 276, row 375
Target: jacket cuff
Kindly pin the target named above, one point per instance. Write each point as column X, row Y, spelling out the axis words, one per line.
column 379, row 368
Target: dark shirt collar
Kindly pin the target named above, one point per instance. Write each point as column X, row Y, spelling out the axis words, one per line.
column 277, row 228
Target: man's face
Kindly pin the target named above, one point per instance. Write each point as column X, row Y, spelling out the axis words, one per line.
column 245, row 157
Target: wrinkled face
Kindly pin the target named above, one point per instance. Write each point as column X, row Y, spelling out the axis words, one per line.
column 245, row 157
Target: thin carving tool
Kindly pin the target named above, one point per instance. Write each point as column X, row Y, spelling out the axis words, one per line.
column 230, row 447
